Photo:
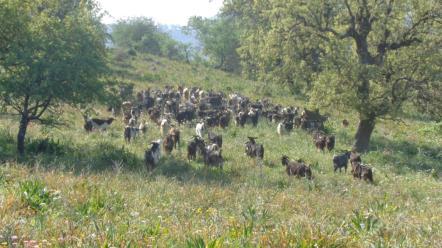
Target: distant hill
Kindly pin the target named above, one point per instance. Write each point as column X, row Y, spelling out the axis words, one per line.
column 175, row 32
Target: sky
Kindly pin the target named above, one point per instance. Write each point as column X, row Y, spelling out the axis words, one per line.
column 161, row 11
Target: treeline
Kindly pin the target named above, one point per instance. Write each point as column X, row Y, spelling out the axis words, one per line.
column 219, row 38
column 142, row 35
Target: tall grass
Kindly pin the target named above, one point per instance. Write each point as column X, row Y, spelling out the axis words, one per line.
column 92, row 190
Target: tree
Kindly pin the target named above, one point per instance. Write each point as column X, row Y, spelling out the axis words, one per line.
column 139, row 33
column 371, row 56
column 52, row 53
column 143, row 35
column 220, row 39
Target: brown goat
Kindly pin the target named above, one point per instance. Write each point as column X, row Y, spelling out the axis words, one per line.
column 362, row 171
column 355, row 158
column 320, row 142
column 168, row 144
column 175, row 133
column 297, row 168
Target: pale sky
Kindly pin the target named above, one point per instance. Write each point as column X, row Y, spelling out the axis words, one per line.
column 161, row 11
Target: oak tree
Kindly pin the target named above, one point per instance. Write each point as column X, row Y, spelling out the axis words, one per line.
column 52, row 53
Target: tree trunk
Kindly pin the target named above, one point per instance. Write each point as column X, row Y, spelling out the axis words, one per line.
column 22, row 134
column 363, row 134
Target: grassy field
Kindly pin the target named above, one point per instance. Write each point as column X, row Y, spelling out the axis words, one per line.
column 92, row 190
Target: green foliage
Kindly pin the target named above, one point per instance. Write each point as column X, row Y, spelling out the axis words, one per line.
column 363, row 222
column 52, row 53
column 198, row 242
column 354, row 55
column 220, row 39
column 35, row 195
column 142, row 35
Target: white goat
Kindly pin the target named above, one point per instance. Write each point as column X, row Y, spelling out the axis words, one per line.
column 164, row 127
column 200, row 127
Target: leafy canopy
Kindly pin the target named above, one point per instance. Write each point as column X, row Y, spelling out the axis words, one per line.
column 144, row 36
column 370, row 56
column 220, row 39
column 51, row 52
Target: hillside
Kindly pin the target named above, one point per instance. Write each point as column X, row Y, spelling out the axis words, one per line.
column 93, row 190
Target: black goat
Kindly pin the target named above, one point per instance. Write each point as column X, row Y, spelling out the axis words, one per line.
column 224, row 119
column 152, row 155
column 340, row 161
column 253, row 149
column 254, row 116
column 195, row 144
column 241, row 119
column 130, row 133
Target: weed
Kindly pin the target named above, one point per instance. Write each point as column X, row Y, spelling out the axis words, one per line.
column 35, row 195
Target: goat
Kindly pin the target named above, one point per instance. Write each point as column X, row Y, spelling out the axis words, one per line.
column 224, row 119
column 212, row 156
column 185, row 115
column 253, row 115
column 345, row 123
column 195, row 144
column 296, row 168
column 98, row 123
column 175, row 133
column 154, row 114
column 330, row 142
column 143, row 127
column 168, row 144
column 253, row 149
column 320, row 142
column 216, row 139
column 280, row 129
column 130, row 133
column 164, row 127
column 241, row 119
column 87, row 124
column 362, row 171
column 340, row 161
column 133, row 121
column 199, row 129
column 186, row 94
column 152, row 155
column 355, row 158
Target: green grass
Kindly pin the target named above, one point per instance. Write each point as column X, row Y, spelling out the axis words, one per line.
column 96, row 192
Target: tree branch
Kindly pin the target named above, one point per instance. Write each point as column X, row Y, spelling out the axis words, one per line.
column 409, row 36
column 44, row 106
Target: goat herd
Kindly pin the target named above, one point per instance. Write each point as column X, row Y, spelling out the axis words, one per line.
column 170, row 108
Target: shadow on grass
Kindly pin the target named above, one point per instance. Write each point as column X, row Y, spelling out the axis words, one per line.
column 184, row 172
column 404, row 156
column 103, row 156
